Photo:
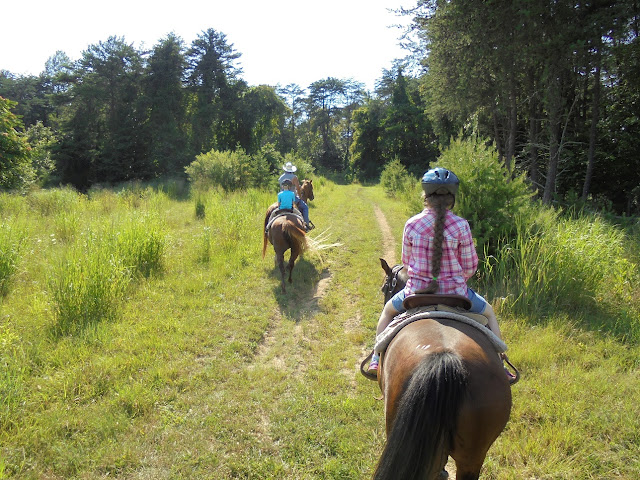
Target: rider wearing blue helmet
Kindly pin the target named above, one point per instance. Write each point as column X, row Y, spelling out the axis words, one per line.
column 438, row 253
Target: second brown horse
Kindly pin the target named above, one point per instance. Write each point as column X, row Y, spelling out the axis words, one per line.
column 286, row 232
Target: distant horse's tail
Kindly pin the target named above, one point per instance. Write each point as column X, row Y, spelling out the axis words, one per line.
column 426, row 421
column 264, row 245
column 296, row 234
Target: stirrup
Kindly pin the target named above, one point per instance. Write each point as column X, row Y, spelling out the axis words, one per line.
column 366, row 373
column 516, row 374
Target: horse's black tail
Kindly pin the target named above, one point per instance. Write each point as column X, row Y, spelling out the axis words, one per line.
column 426, row 419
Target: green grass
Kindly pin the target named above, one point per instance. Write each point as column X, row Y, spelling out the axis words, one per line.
column 204, row 369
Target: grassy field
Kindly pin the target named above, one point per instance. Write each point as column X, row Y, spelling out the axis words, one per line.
column 194, row 365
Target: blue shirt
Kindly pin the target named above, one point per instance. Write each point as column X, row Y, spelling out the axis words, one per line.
column 286, row 198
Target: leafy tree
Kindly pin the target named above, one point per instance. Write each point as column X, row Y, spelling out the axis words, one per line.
column 294, row 99
column 166, row 103
column 30, row 92
column 104, row 135
column 407, row 134
column 15, row 153
column 263, row 118
column 213, row 82
column 324, row 111
column 354, row 95
column 529, row 75
column 394, row 129
column 367, row 159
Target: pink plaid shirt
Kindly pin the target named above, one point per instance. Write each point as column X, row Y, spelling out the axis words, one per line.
column 459, row 257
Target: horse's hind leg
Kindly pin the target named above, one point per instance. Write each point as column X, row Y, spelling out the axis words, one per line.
column 280, row 263
column 295, row 251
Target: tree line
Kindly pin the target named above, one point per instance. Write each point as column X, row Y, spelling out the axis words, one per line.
column 120, row 113
column 554, row 86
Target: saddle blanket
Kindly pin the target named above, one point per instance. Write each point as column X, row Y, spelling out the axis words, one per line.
column 279, row 213
column 410, row 316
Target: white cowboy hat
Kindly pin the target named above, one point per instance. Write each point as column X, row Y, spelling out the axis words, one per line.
column 289, row 167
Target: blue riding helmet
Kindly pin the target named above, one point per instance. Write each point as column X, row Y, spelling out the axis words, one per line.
column 440, row 181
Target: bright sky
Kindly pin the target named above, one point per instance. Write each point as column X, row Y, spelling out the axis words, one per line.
column 281, row 41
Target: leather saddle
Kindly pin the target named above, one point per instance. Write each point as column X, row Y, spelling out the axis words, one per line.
column 444, row 303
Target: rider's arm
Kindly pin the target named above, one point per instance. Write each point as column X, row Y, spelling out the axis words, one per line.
column 467, row 255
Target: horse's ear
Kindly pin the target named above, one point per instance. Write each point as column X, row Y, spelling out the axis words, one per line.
column 385, row 266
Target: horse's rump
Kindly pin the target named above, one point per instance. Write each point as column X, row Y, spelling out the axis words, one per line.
column 430, row 402
column 445, row 378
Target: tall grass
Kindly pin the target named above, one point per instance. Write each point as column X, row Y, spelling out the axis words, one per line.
column 88, row 284
column 141, row 243
column 564, row 264
column 228, row 223
column 205, row 369
column 11, row 238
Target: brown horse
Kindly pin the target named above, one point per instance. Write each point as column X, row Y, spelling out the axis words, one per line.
column 445, row 394
column 306, row 190
column 286, row 232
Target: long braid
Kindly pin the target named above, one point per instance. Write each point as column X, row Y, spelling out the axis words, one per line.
column 439, row 203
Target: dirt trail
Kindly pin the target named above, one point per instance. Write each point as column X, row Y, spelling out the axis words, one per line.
column 388, row 242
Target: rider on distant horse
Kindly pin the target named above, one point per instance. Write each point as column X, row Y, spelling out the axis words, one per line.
column 286, row 197
column 437, row 252
column 289, row 174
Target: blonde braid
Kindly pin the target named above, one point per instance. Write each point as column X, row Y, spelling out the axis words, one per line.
column 440, row 203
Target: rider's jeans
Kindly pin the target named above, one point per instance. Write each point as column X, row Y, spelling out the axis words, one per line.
column 304, row 209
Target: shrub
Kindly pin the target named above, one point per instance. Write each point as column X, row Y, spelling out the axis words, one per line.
column 228, row 170
column 489, row 198
column 395, row 180
column 200, row 208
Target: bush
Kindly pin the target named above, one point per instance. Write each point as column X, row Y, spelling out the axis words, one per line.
column 488, row 197
column 229, row 170
column 395, row 180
